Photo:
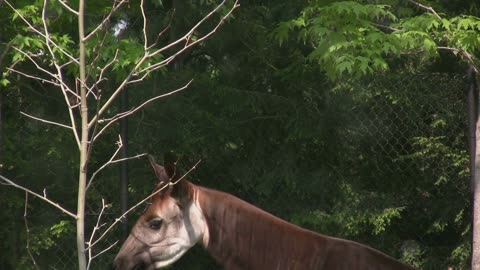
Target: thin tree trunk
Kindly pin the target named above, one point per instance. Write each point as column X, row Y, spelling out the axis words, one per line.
column 1, row 126
column 82, row 179
column 473, row 89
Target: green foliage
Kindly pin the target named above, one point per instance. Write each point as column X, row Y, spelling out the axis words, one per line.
column 356, row 39
column 43, row 240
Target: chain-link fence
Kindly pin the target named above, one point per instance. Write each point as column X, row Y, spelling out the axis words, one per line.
column 400, row 128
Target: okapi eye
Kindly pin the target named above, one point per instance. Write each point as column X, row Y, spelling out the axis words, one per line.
column 155, row 224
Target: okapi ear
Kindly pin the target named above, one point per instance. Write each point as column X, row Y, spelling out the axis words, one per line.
column 160, row 172
column 182, row 190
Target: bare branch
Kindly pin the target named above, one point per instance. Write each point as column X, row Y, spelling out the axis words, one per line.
column 427, row 8
column 66, row 64
column 46, row 121
column 389, row 28
column 145, row 39
column 187, row 45
column 163, row 31
column 57, row 77
column 120, row 145
column 102, row 70
column 31, row 27
column 65, row 90
column 195, row 27
column 119, row 219
column 464, row 54
column 32, row 77
column 27, row 229
column 116, row 92
column 98, row 55
column 51, row 74
column 68, row 7
column 47, row 37
column 115, row 7
column 105, row 250
column 95, row 229
column 148, row 55
column 448, row 49
column 112, row 160
column 9, row 182
column 90, row 91
column 134, row 110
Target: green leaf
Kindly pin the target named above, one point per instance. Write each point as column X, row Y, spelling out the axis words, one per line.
column 4, row 82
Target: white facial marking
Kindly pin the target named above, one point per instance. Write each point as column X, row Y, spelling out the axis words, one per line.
column 182, row 228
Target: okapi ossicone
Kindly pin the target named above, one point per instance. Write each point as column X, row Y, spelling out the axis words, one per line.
column 238, row 235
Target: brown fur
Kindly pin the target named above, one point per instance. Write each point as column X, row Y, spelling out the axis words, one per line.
column 242, row 236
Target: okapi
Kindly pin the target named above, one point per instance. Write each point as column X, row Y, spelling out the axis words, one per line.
column 235, row 233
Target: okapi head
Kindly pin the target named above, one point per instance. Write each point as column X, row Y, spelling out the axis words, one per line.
column 170, row 225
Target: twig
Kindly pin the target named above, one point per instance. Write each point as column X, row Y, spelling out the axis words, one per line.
column 68, row 7
column 429, row 9
column 65, row 90
column 113, row 161
column 59, row 77
column 51, row 74
column 102, row 70
column 195, row 27
column 56, row 205
column 107, row 18
column 147, row 55
column 105, row 250
column 120, row 218
column 25, row 218
column 95, row 229
column 32, row 77
column 94, row 63
column 186, row 38
column 31, row 27
column 134, row 110
column 389, row 28
column 163, row 31
column 464, row 53
column 144, row 30
column 46, row 121
column 90, row 90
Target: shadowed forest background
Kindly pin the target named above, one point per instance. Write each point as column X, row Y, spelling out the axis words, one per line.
column 375, row 152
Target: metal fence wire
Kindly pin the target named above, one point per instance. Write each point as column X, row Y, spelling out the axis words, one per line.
column 399, row 126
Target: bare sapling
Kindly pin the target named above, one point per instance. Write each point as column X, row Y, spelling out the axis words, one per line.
column 87, row 107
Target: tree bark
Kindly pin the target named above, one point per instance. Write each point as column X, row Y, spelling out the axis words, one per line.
column 475, row 176
column 82, row 179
